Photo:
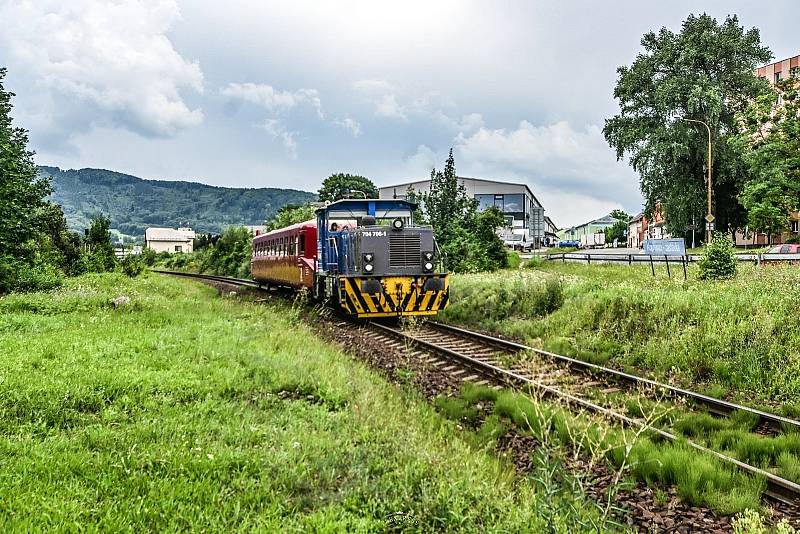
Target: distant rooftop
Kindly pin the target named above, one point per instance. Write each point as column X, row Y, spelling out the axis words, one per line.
column 168, row 234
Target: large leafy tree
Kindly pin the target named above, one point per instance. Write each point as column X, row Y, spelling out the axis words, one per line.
column 704, row 72
column 22, row 191
column 291, row 214
column 770, row 141
column 342, row 185
column 466, row 237
column 618, row 230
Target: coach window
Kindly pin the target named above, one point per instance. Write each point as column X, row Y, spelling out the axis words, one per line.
column 302, row 251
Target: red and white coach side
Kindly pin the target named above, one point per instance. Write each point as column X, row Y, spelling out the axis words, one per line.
column 286, row 257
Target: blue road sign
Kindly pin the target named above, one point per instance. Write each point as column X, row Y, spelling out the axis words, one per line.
column 665, row 247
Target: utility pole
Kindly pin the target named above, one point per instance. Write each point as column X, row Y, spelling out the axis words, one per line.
column 709, row 215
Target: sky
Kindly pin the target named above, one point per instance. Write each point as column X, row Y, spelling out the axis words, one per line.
column 283, row 94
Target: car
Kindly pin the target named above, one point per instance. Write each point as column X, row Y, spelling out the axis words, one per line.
column 517, row 242
column 785, row 249
column 569, row 244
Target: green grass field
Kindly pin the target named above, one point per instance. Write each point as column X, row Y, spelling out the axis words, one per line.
column 739, row 338
column 186, row 411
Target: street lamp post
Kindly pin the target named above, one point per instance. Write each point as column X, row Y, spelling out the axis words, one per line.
column 709, row 215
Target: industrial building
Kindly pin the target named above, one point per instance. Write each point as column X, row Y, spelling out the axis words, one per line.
column 523, row 212
column 169, row 239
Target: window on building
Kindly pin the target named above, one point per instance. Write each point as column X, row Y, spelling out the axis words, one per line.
column 777, row 76
column 498, row 202
column 178, row 248
column 484, row 201
column 513, row 203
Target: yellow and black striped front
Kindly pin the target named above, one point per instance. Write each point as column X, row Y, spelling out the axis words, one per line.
column 394, row 296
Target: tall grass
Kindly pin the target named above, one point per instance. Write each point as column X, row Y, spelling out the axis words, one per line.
column 184, row 411
column 742, row 334
column 700, row 479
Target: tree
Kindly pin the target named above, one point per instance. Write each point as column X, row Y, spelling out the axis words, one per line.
column 291, row 214
column 57, row 244
column 468, row 239
column 770, row 142
column 22, row 191
column 719, row 260
column 341, row 185
column 101, row 251
column 705, row 72
column 620, row 227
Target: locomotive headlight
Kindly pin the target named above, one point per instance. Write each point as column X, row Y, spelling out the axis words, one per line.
column 397, row 224
column 428, row 266
column 428, row 256
column 366, row 260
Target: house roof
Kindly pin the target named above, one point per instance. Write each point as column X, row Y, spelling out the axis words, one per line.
column 169, row 234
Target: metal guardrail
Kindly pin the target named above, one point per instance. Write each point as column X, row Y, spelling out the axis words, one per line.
column 631, row 259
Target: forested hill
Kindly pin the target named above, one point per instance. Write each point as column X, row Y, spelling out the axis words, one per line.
column 133, row 204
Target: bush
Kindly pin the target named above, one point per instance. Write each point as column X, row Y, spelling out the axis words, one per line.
column 20, row 276
column 513, row 260
column 719, row 261
column 149, row 256
column 133, row 265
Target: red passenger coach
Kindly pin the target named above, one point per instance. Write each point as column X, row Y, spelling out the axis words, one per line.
column 286, row 257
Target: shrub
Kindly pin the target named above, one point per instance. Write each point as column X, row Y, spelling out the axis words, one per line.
column 133, row 265
column 149, row 256
column 20, row 276
column 513, row 260
column 719, row 261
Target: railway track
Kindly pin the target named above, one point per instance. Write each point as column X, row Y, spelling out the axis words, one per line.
column 481, row 359
column 478, row 358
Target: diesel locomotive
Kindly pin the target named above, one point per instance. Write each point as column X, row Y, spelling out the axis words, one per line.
column 366, row 257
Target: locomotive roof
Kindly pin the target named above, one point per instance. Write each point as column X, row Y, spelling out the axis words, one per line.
column 287, row 230
column 355, row 205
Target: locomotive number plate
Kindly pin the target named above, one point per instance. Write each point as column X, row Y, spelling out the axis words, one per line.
column 376, row 233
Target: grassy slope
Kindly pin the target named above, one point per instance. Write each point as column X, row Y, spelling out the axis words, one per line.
column 169, row 414
column 742, row 336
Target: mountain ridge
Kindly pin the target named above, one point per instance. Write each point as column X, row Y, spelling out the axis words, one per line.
column 134, row 203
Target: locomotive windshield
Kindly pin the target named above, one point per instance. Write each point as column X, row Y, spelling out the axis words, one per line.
column 340, row 220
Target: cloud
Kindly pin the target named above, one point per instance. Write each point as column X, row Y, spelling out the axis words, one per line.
column 271, row 99
column 422, row 161
column 392, row 102
column 573, row 168
column 278, row 131
column 103, row 63
column 350, row 124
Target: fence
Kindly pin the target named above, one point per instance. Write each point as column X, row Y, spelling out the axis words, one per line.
column 631, row 259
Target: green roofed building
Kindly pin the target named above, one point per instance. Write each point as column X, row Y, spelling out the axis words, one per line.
column 574, row 233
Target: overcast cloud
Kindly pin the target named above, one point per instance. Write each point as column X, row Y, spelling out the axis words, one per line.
column 285, row 93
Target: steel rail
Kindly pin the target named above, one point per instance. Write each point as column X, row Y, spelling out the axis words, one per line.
column 717, row 406
column 778, row 488
column 212, row 277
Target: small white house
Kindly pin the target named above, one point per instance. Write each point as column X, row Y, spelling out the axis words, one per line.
column 169, row 239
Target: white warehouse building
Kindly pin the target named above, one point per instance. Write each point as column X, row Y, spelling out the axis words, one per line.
column 523, row 212
column 169, row 239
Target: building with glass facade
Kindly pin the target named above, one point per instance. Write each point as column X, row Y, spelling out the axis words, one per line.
column 523, row 212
